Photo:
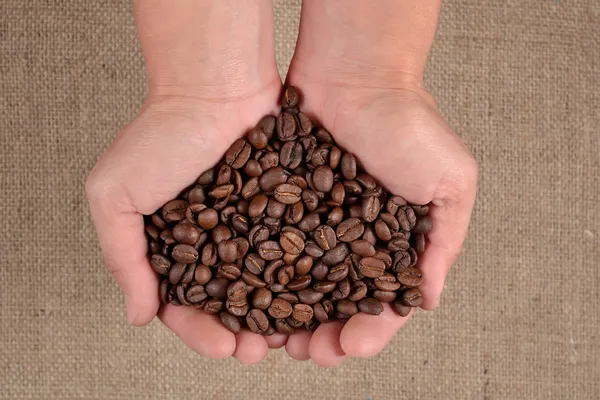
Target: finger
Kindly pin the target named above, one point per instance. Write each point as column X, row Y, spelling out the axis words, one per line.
column 276, row 340
column 251, row 348
column 297, row 345
column 324, row 347
column 203, row 333
column 365, row 335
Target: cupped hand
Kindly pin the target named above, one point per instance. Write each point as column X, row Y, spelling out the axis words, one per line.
column 171, row 142
column 398, row 135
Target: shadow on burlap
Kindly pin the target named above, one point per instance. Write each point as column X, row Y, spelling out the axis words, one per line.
column 520, row 315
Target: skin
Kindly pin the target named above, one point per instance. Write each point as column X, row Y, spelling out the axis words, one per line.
column 361, row 70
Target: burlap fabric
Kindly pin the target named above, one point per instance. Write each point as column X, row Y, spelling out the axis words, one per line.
column 519, row 80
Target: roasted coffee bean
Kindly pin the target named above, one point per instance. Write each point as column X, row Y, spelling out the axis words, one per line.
column 257, row 321
column 275, row 209
column 209, row 254
column 298, row 181
column 398, row 243
column 251, row 188
column 154, row 247
column 202, row 274
column 289, row 259
column 278, row 288
column 319, row 313
column 370, row 209
column 213, row 306
column 420, row 210
column 184, row 253
column 229, row 271
column 325, row 238
column 350, row 230
column 335, row 216
column 287, row 193
column 348, row 166
column 271, row 271
column 310, row 222
column 174, row 210
column 310, row 199
column 291, row 297
column 242, row 246
column 158, row 221
column 230, row 322
column 237, row 291
column 253, row 168
column 160, row 264
column 280, row 308
column 163, row 291
column 312, row 249
column 208, row 218
column 322, row 178
column 303, row 265
column 285, row 274
column 338, row 194
column 371, row 267
column 384, row 297
column 319, row 271
column 269, row 250
column 267, row 124
column 423, row 225
column 370, row 306
column 238, row 154
column 358, row 290
column 338, row 272
column 419, row 243
column 196, row 294
column 336, row 255
column 272, row 178
column 261, row 298
column 238, row 309
column 227, row 251
column 412, row 297
column 220, row 233
column 290, row 97
column 294, row 213
column 226, row 214
column 224, row 175
column 188, row 275
column 402, row 309
column 286, row 126
column 257, row 206
column 252, row 279
column 347, row 307
column 302, row 312
column 324, row 286
column 305, row 125
column 217, row 287
column 387, row 282
column 335, row 155
column 341, row 291
column 291, row 155
column 152, row 231
column 283, row 327
column 383, row 255
column 320, row 157
column 410, row 277
column 310, row 296
column 269, row 160
column 323, row 136
column 257, row 234
column 167, row 236
column 299, row 282
column 254, row 263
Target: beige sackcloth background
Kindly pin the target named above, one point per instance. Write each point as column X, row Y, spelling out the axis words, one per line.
column 518, row 80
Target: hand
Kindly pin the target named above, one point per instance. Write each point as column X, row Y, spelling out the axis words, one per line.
column 386, row 118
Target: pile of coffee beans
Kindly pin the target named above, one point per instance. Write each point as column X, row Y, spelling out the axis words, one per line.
column 288, row 232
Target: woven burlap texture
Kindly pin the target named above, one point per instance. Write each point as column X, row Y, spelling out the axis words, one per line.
column 520, row 317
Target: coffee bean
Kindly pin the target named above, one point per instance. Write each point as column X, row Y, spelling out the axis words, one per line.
column 160, row 264
column 290, row 97
column 238, row 154
column 335, row 216
column 220, row 233
column 341, row 291
column 229, row 271
column 213, row 306
column 358, row 290
column 158, row 221
column 291, row 155
column 237, row 291
column 299, row 282
column 280, row 308
column 303, row 265
column 402, row 309
column 188, row 275
column 285, row 274
column 269, row 250
column 238, row 309
column 370, row 209
column 348, row 166
column 412, row 297
column 239, row 223
column 336, row 255
column 254, row 264
column 322, row 178
column 262, row 298
column 323, row 136
column 257, row 138
column 423, row 225
column 382, row 230
column 184, row 253
column 305, row 124
column 319, row 313
column 221, row 192
column 310, row 222
column 370, row 306
column 335, row 155
column 347, row 307
column 310, row 296
column 324, row 286
column 406, row 218
column 384, row 297
column 320, row 157
column 384, row 256
column 152, row 231
column 283, row 327
column 363, row 248
column 298, row 181
column 419, row 243
column 286, row 126
column 196, row 294
column 163, row 291
column 257, row 321
column 209, row 254
column 325, row 237
column 410, row 277
column 294, row 213
column 387, row 282
column 250, row 188
column 272, row 178
column 217, row 287
column 208, row 218
column 174, row 210
column 338, row 272
column 338, row 194
column 302, row 312
column 227, row 251
column 202, row 274
column 319, row 271
column 371, row 267
column 287, row 193
column 350, row 230
column 230, row 322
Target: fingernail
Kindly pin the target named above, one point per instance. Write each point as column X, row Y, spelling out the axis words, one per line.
column 130, row 308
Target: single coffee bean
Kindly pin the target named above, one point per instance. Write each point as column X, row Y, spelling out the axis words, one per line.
column 285, row 274
column 221, row 192
column 294, row 213
column 209, row 254
column 325, row 237
column 383, row 255
column 302, row 312
column 370, row 209
column 238, row 309
column 366, row 181
column 289, row 259
column 322, row 178
column 338, row 272
column 257, row 206
column 184, row 253
column 158, row 221
column 305, row 124
column 269, row 250
column 257, row 234
column 410, row 277
column 423, row 225
column 402, row 309
column 217, row 287
column 230, row 322
column 348, row 166
column 298, row 181
column 320, row 156
column 291, row 155
column 196, row 294
column 412, row 297
column 363, row 248
column 323, row 136
column 319, row 271
column 213, row 306
column 269, row 160
column 253, row 168
column 160, row 264
column 226, row 214
column 188, row 276
column 419, row 243
column 224, row 175
column 208, row 218
column 335, row 216
column 387, row 282
column 283, row 327
column 347, row 307
column 152, row 231
column 310, row 222
column 237, row 291
column 299, row 282
column 275, row 209
column 242, row 246
column 272, row 178
column 370, row 306
column 341, row 291
column 273, row 225
column 239, row 223
column 220, row 233
column 154, row 247
column 280, row 308
column 320, row 313
column 420, row 210
column 324, row 286
column 227, row 250
column 251, row 188
column 253, row 280
column 382, row 230
column 174, row 210
column 303, row 265
column 336, row 255
column 290, row 97
column 371, row 267
column 254, row 263
column 350, row 230
column 291, row 297
column 390, row 221
column 167, row 236
column 337, row 194
column 207, row 177
column 262, row 298
column 335, row 155
column 358, row 290
column 257, row 321
column 310, row 199
column 267, row 124
column 202, row 274
column 163, row 291
column 287, row 193
column 278, row 288
column 398, row 243
column 286, row 126
column 229, row 271
column 352, row 188
column 238, row 154
column 384, row 297
column 310, row 296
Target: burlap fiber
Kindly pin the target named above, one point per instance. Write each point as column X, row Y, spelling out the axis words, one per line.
column 518, row 80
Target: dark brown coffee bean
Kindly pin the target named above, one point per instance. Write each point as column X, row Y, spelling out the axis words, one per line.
column 335, row 216
column 323, row 136
column 412, row 297
column 152, row 231
column 252, row 279
column 184, row 253
column 196, row 294
column 371, row 267
column 337, row 194
column 230, row 322
column 226, row 214
column 278, row 288
column 358, row 290
column 224, row 175
column 271, row 271
column 160, row 264
column 383, row 255
column 370, row 209
column 350, row 230
column 291, row 155
column 302, row 312
column 253, row 168
column 298, row 181
column 336, row 255
column 229, row 271
column 238, row 309
column 257, row 206
column 347, row 307
column 319, row 271
column 202, row 274
column 158, row 221
column 285, row 274
column 167, row 236
column 261, row 298
column 291, row 297
column 348, row 166
column 174, row 210
column 322, row 178
column 257, row 138
column 257, row 321
column 309, row 144
column 390, row 221
column 163, row 291
column 310, row 296
column 286, row 126
column 398, row 243
column 220, row 233
column 363, row 248
column 238, row 154
column 240, row 223
column 387, row 282
column 191, row 213
column 338, row 272
column 352, row 188
column 221, row 192
column 419, row 243
column 320, row 313
column 267, row 124
column 294, row 213
column 325, row 237
column 305, row 124
column 420, row 210
column 287, row 193
column 280, row 308
column 269, row 250
column 366, row 181
column 299, row 282
column 289, row 259
column 335, row 155
column 394, row 203
column 290, row 97
column 154, row 247
column 273, row 225
column 324, row 286
column 254, row 264
column 341, row 291
column 269, row 160
column 370, row 306
column 272, row 178
column 303, row 265
column 382, row 230
column 188, row 276
column 237, row 291
column 209, row 254
column 402, row 309
column 410, row 277
column 283, row 327
column 375, row 192
column 227, row 251
column 213, row 306
column 369, row 235
column 217, row 287
column 310, row 222
column 208, row 218
column 384, row 297
column 250, row 189
column 257, row 234
column 423, row 225
column 310, row 199
column 355, row 211
column 320, row 156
